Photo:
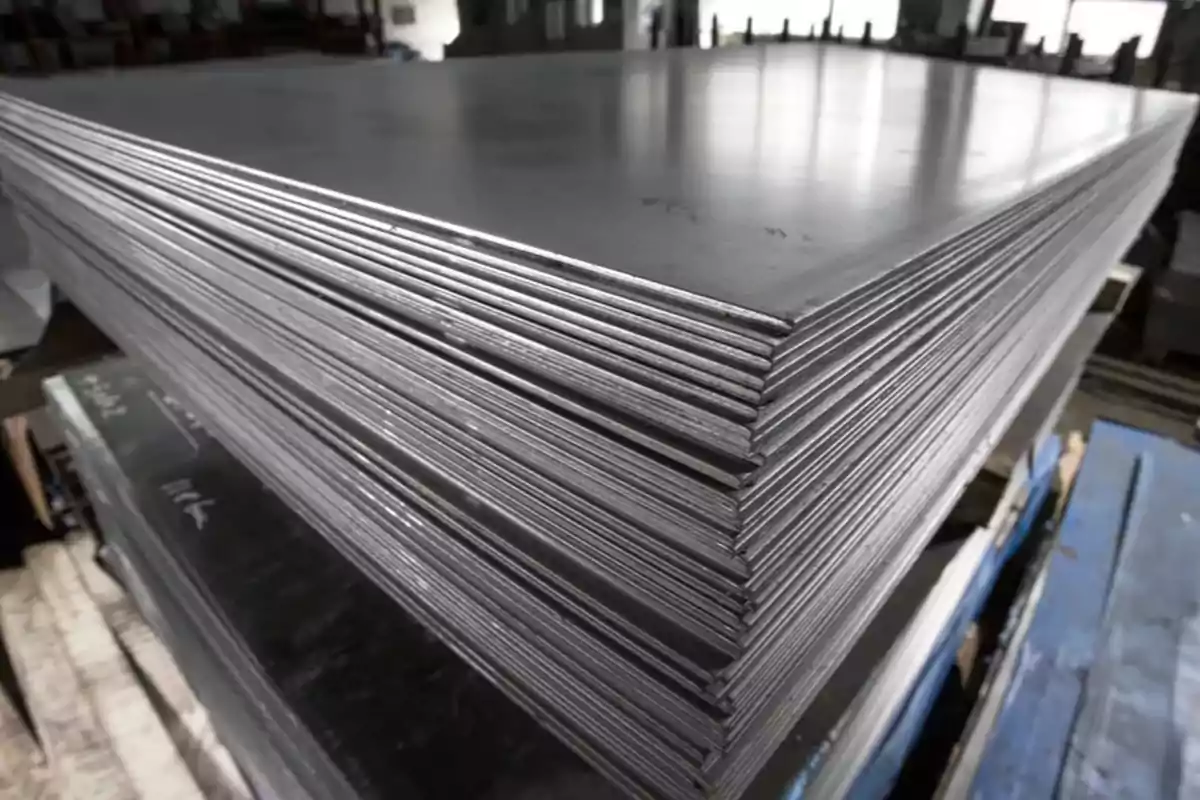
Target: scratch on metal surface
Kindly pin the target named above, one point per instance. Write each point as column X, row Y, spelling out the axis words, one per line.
column 1030, row 658
column 1128, row 739
column 1187, row 707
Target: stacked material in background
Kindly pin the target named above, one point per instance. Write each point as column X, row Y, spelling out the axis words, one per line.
column 648, row 429
column 346, row 699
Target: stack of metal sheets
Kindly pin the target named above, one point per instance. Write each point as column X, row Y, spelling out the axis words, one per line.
column 24, row 290
column 640, row 379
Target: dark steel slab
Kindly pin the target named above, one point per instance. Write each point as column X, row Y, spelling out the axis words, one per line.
column 766, row 177
column 282, row 695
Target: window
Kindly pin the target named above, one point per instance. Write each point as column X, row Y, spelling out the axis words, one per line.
column 514, row 10
column 1046, row 18
column 802, row 16
column 556, row 20
column 404, row 15
column 853, row 15
column 1105, row 24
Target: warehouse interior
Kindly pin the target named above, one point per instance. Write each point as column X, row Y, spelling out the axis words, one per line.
column 599, row 399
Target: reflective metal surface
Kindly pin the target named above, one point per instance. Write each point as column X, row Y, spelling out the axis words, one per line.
column 740, row 174
column 681, row 379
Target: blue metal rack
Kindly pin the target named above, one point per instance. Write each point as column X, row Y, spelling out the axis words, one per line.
column 868, row 747
column 1091, row 708
column 880, row 776
column 884, row 765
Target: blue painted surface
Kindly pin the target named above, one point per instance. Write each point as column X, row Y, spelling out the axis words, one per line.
column 880, row 776
column 799, row 784
column 881, row 773
column 1126, row 741
column 1128, row 477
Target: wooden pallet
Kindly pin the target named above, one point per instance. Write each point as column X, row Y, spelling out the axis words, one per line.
column 112, row 712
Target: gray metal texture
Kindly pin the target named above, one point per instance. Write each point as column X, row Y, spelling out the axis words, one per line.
column 871, row 721
column 640, row 379
column 24, row 290
column 790, row 162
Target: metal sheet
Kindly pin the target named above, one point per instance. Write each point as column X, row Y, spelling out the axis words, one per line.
column 787, row 161
column 652, row 468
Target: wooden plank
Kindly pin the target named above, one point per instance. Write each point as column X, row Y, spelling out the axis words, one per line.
column 187, row 721
column 20, row 452
column 136, row 733
column 76, row 745
column 24, row 773
column 1187, row 707
column 1074, row 448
